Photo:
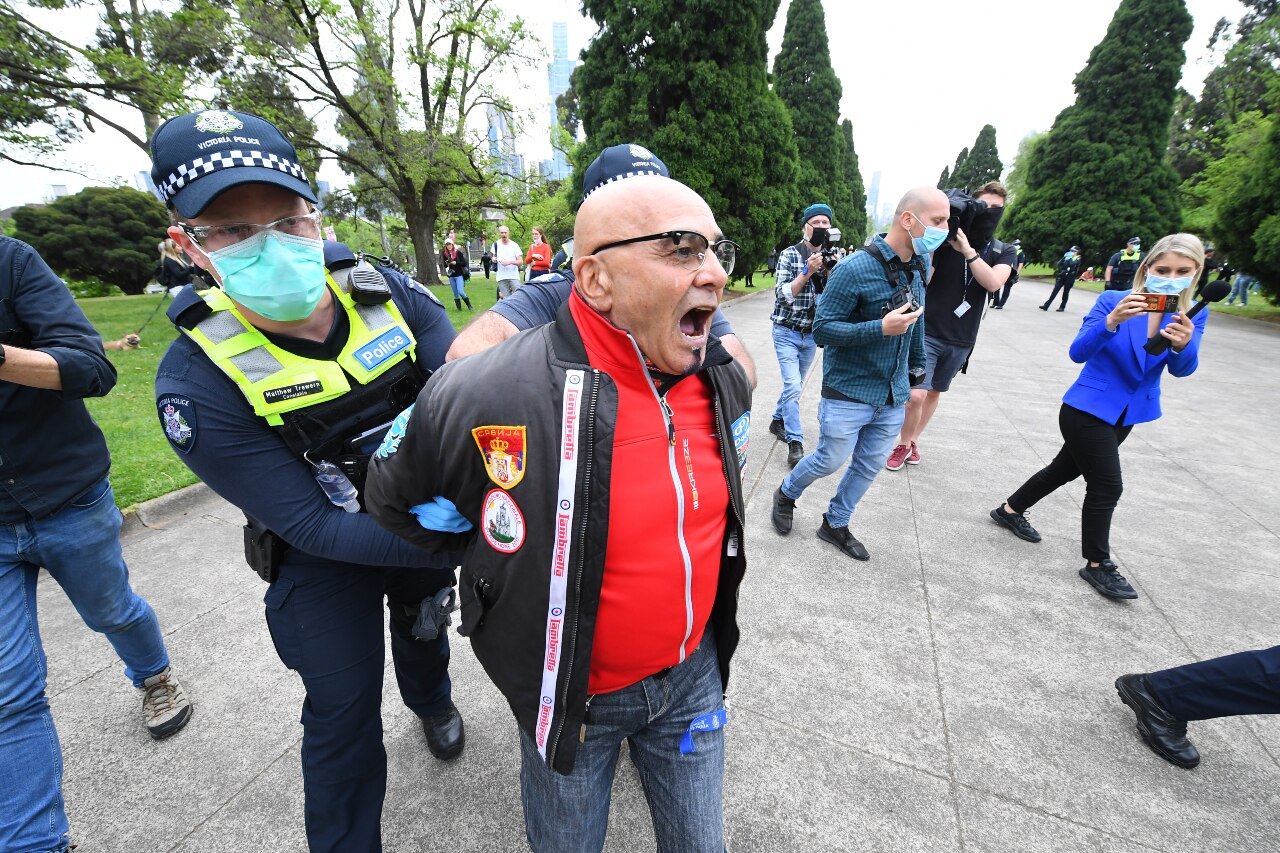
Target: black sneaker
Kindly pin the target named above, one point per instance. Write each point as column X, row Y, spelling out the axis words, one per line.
column 1044, row 307
column 842, row 539
column 1107, row 580
column 1017, row 523
column 1063, row 308
column 795, row 453
column 1164, row 733
column 778, row 429
column 784, row 509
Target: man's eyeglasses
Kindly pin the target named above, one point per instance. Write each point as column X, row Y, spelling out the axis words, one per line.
column 221, row 236
column 690, row 248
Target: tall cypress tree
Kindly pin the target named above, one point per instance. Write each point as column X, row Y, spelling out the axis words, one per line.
column 983, row 163
column 944, row 180
column 807, row 84
column 852, row 222
column 699, row 98
column 1101, row 176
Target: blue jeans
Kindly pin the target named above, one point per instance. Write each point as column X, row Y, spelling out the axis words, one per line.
column 847, row 429
column 1240, row 287
column 796, row 351
column 80, row 548
column 459, row 286
column 570, row 814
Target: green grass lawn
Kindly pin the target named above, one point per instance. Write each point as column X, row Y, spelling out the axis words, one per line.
column 143, row 466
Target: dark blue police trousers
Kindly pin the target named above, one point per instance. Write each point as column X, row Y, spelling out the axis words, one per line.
column 327, row 625
column 1242, row 683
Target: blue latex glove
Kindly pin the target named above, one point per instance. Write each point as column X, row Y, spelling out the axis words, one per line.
column 441, row 515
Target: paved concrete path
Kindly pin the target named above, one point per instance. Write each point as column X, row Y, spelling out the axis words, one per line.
column 953, row 694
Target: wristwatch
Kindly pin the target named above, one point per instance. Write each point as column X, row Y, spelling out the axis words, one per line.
column 1, row 355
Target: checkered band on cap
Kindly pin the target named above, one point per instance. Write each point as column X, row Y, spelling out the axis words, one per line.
column 189, row 173
column 623, row 176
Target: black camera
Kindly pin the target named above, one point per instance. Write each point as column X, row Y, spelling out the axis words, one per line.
column 829, row 254
column 901, row 296
column 964, row 208
column 915, row 376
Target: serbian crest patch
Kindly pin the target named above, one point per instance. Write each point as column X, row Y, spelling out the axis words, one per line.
column 503, row 448
column 217, row 121
column 178, row 417
column 502, row 522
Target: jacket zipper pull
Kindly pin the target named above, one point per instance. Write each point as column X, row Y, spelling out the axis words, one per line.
column 586, row 718
column 671, row 427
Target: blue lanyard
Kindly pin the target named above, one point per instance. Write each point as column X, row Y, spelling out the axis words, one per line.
column 713, row 722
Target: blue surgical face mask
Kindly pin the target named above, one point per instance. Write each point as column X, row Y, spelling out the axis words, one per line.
column 1160, row 284
column 280, row 276
column 932, row 239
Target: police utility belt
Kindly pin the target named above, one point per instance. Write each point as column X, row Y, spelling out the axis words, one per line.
column 332, row 413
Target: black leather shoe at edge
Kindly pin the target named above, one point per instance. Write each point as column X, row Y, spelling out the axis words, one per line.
column 778, row 429
column 445, row 736
column 795, row 452
column 1166, row 735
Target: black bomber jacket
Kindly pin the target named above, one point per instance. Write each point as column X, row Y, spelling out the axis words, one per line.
column 533, row 480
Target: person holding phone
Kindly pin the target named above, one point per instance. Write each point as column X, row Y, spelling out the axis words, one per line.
column 1118, row 388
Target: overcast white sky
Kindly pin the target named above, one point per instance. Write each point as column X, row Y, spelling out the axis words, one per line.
column 1028, row 51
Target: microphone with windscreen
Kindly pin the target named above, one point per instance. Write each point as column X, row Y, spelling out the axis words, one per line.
column 1214, row 291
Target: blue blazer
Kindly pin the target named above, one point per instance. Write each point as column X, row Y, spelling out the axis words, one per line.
column 1118, row 373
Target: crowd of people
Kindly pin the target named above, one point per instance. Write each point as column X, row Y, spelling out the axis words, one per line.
column 399, row 451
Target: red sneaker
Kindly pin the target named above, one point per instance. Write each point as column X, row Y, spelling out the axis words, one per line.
column 913, row 458
column 898, row 457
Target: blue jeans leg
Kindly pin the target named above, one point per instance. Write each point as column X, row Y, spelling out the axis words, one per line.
column 458, row 284
column 796, row 351
column 570, row 814
column 853, row 431
column 875, row 440
column 32, row 815
column 80, row 549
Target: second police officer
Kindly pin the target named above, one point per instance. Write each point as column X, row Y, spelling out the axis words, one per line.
column 279, row 386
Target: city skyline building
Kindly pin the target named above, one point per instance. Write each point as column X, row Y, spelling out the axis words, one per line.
column 502, row 141
column 558, row 72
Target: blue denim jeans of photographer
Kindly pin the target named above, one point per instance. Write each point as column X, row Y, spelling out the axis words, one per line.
column 858, row 432
column 459, row 286
column 796, row 351
column 79, row 546
column 570, row 814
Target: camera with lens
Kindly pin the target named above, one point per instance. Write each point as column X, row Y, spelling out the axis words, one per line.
column 901, row 296
column 829, row 247
column 915, row 376
column 964, row 208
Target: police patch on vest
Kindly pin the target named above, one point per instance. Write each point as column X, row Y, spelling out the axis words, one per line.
column 178, row 417
column 290, row 392
column 395, row 435
column 502, row 522
column 383, row 347
column 741, row 429
column 503, row 448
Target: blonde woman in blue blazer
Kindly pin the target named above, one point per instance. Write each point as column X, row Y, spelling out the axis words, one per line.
column 1118, row 388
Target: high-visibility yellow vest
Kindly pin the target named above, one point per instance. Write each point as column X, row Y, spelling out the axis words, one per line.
column 276, row 381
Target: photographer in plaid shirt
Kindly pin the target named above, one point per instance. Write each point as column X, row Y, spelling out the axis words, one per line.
column 800, row 280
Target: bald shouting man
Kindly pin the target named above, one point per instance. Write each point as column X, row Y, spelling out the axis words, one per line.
column 536, row 303
column 597, row 622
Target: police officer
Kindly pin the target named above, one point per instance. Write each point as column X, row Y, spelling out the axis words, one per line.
column 1124, row 265
column 278, row 388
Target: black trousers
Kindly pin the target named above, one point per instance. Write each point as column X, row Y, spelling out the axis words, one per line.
column 1091, row 447
column 1063, row 283
column 1242, row 683
column 1000, row 298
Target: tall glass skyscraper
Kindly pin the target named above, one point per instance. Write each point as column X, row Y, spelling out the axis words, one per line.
column 558, row 83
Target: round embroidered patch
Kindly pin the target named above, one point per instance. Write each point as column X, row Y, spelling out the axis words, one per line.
column 502, row 522
column 217, row 121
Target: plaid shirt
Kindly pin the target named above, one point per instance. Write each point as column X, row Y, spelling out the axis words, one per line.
column 796, row 313
column 859, row 363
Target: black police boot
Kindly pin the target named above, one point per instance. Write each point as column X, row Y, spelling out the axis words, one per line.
column 1164, row 733
column 778, row 429
column 1044, row 307
column 445, row 736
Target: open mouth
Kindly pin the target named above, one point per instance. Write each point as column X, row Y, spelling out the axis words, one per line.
column 694, row 325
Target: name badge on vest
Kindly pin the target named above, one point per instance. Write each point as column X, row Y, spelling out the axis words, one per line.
column 382, row 347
